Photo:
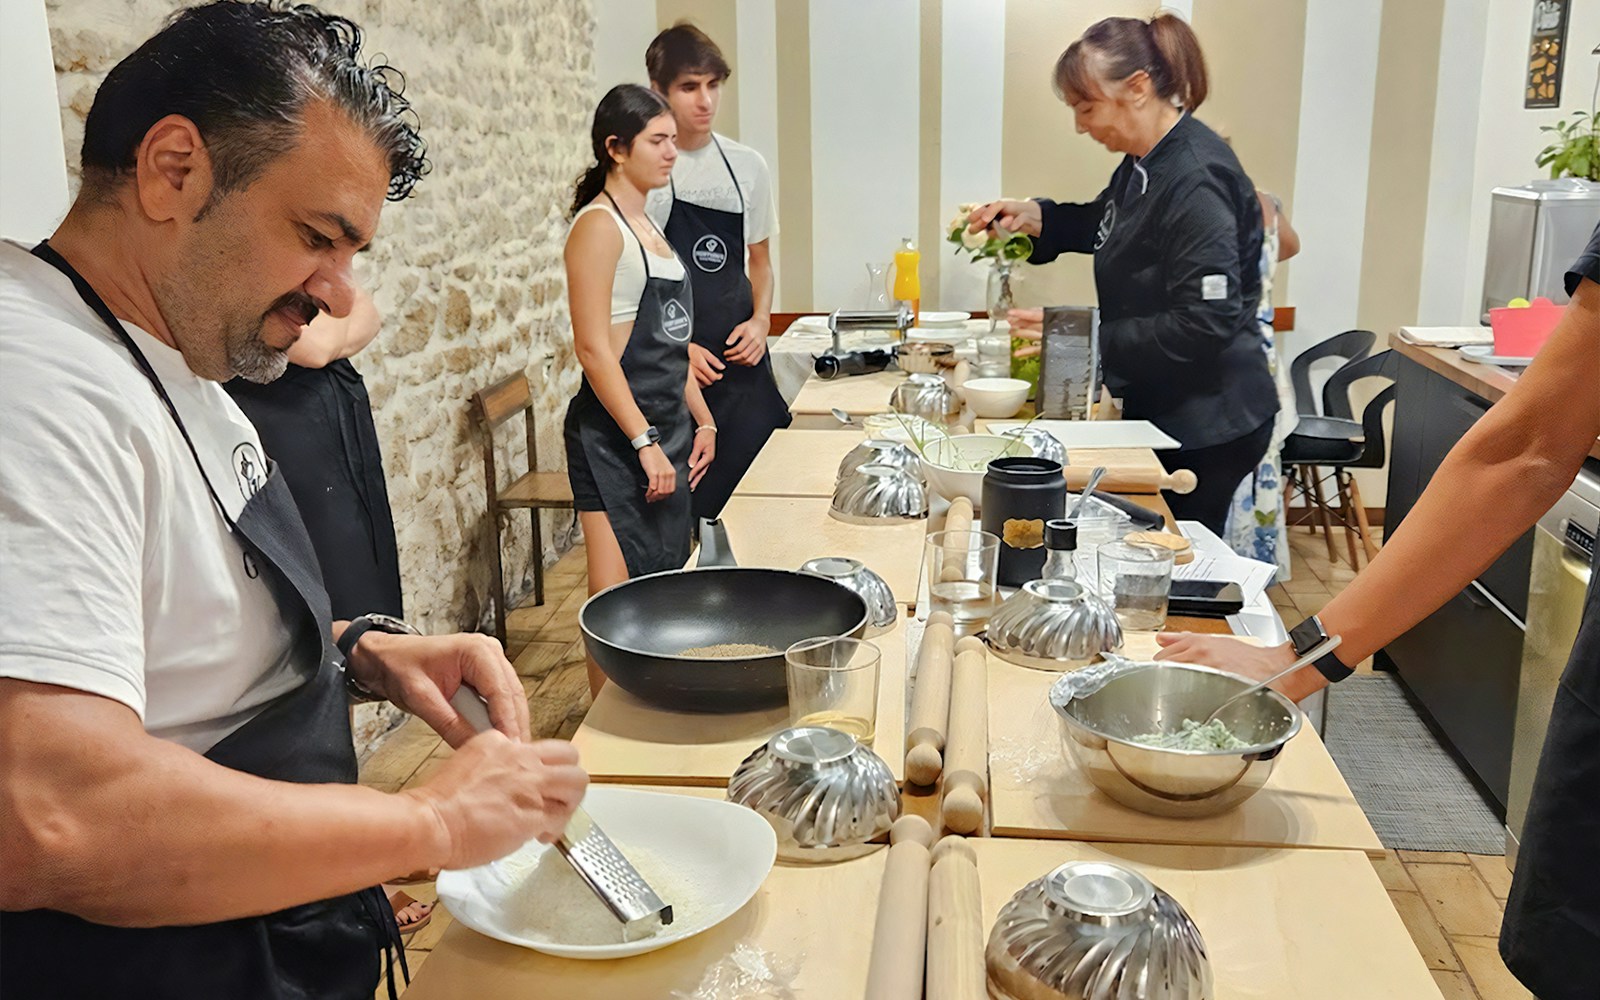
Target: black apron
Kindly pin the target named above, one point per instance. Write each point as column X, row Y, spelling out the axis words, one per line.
column 745, row 402
column 325, row 949
column 653, row 536
column 1551, row 935
column 316, row 426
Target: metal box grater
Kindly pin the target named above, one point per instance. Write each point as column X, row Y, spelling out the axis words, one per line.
column 1069, row 363
column 588, row 850
column 611, row 875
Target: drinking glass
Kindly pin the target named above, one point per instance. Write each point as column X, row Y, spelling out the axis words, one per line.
column 877, row 288
column 1097, row 525
column 833, row 682
column 1136, row 578
column 960, row 569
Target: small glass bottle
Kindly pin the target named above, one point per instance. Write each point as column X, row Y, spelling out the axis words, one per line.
column 1061, row 543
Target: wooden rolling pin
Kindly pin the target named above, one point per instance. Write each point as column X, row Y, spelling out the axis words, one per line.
column 930, row 701
column 959, row 518
column 966, row 745
column 1133, row 479
column 955, row 924
column 900, row 936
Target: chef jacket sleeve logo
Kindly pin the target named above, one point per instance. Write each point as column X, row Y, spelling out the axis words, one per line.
column 1108, row 222
column 675, row 321
column 710, row 253
column 1214, row 287
column 248, row 469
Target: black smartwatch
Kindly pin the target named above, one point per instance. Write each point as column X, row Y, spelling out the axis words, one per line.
column 1305, row 636
column 352, row 634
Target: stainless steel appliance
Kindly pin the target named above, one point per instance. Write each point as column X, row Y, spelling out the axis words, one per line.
column 1536, row 231
column 1563, row 551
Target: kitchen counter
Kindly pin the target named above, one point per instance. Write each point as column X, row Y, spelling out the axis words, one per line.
column 1487, row 381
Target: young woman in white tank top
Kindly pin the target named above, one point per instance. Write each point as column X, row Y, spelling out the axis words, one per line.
column 628, row 293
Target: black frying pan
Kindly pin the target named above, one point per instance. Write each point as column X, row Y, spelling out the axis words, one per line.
column 636, row 630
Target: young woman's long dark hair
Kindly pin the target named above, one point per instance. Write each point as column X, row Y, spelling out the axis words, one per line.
column 623, row 113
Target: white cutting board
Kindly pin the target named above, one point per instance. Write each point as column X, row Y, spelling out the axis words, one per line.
column 1098, row 433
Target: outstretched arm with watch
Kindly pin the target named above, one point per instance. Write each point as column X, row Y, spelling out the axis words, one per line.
column 1495, row 483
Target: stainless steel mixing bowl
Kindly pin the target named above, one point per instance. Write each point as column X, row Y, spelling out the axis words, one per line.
column 881, row 451
column 873, row 494
column 1053, row 625
column 1102, row 707
column 1092, row 930
column 824, row 793
column 926, row 396
column 882, row 611
column 1041, row 443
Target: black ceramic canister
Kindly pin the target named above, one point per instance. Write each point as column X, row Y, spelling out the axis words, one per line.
column 1019, row 496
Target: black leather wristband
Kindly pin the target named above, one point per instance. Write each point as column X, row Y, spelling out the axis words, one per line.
column 352, row 634
column 1308, row 634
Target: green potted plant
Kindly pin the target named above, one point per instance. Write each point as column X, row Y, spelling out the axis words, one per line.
column 1576, row 149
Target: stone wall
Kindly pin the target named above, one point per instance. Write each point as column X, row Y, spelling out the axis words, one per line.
column 467, row 272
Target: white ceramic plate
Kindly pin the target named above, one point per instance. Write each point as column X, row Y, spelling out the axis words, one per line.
column 728, row 850
column 1484, row 354
column 956, row 335
column 1099, row 433
column 926, row 318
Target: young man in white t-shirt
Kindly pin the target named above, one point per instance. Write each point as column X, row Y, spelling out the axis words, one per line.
column 718, row 214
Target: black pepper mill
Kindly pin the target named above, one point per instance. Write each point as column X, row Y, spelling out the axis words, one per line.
column 1019, row 496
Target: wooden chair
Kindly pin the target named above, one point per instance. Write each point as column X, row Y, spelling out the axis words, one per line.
column 533, row 489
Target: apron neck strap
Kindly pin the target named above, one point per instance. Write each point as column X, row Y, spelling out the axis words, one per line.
column 47, row 253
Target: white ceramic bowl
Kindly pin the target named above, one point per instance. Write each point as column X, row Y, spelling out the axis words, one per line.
column 724, row 849
column 954, row 466
column 996, row 398
column 952, row 335
column 926, row 318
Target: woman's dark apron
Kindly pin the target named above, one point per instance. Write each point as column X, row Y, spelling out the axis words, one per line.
column 1551, row 935
column 653, row 536
column 326, row 949
column 745, row 402
column 316, row 425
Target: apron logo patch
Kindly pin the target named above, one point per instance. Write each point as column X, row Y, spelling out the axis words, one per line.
column 1108, row 222
column 709, row 253
column 1214, row 287
column 249, row 470
column 675, row 322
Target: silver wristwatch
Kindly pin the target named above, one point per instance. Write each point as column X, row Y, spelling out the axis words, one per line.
column 649, row 437
column 352, row 634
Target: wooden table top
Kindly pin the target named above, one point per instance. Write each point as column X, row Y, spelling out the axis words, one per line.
column 857, row 395
column 1037, row 791
column 624, row 740
column 815, row 925
column 799, row 463
column 785, row 532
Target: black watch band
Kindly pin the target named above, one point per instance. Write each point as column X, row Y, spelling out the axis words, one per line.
column 352, row 634
column 1308, row 634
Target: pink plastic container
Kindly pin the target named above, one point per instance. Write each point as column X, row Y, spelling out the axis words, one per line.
column 1519, row 333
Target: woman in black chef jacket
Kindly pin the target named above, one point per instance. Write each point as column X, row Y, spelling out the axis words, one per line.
column 639, row 436
column 1176, row 239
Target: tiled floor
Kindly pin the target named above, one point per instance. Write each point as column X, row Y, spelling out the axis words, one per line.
column 1452, row 903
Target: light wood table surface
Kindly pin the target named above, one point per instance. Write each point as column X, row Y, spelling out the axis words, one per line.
column 813, row 920
column 799, row 463
column 1036, row 791
column 624, row 740
column 1278, row 925
column 857, row 395
column 784, row 532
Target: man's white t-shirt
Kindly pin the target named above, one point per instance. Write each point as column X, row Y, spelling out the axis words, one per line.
column 119, row 576
column 702, row 179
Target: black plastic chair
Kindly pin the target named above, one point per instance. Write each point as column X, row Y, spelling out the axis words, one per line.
column 1341, row 444
column 1351, row 345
